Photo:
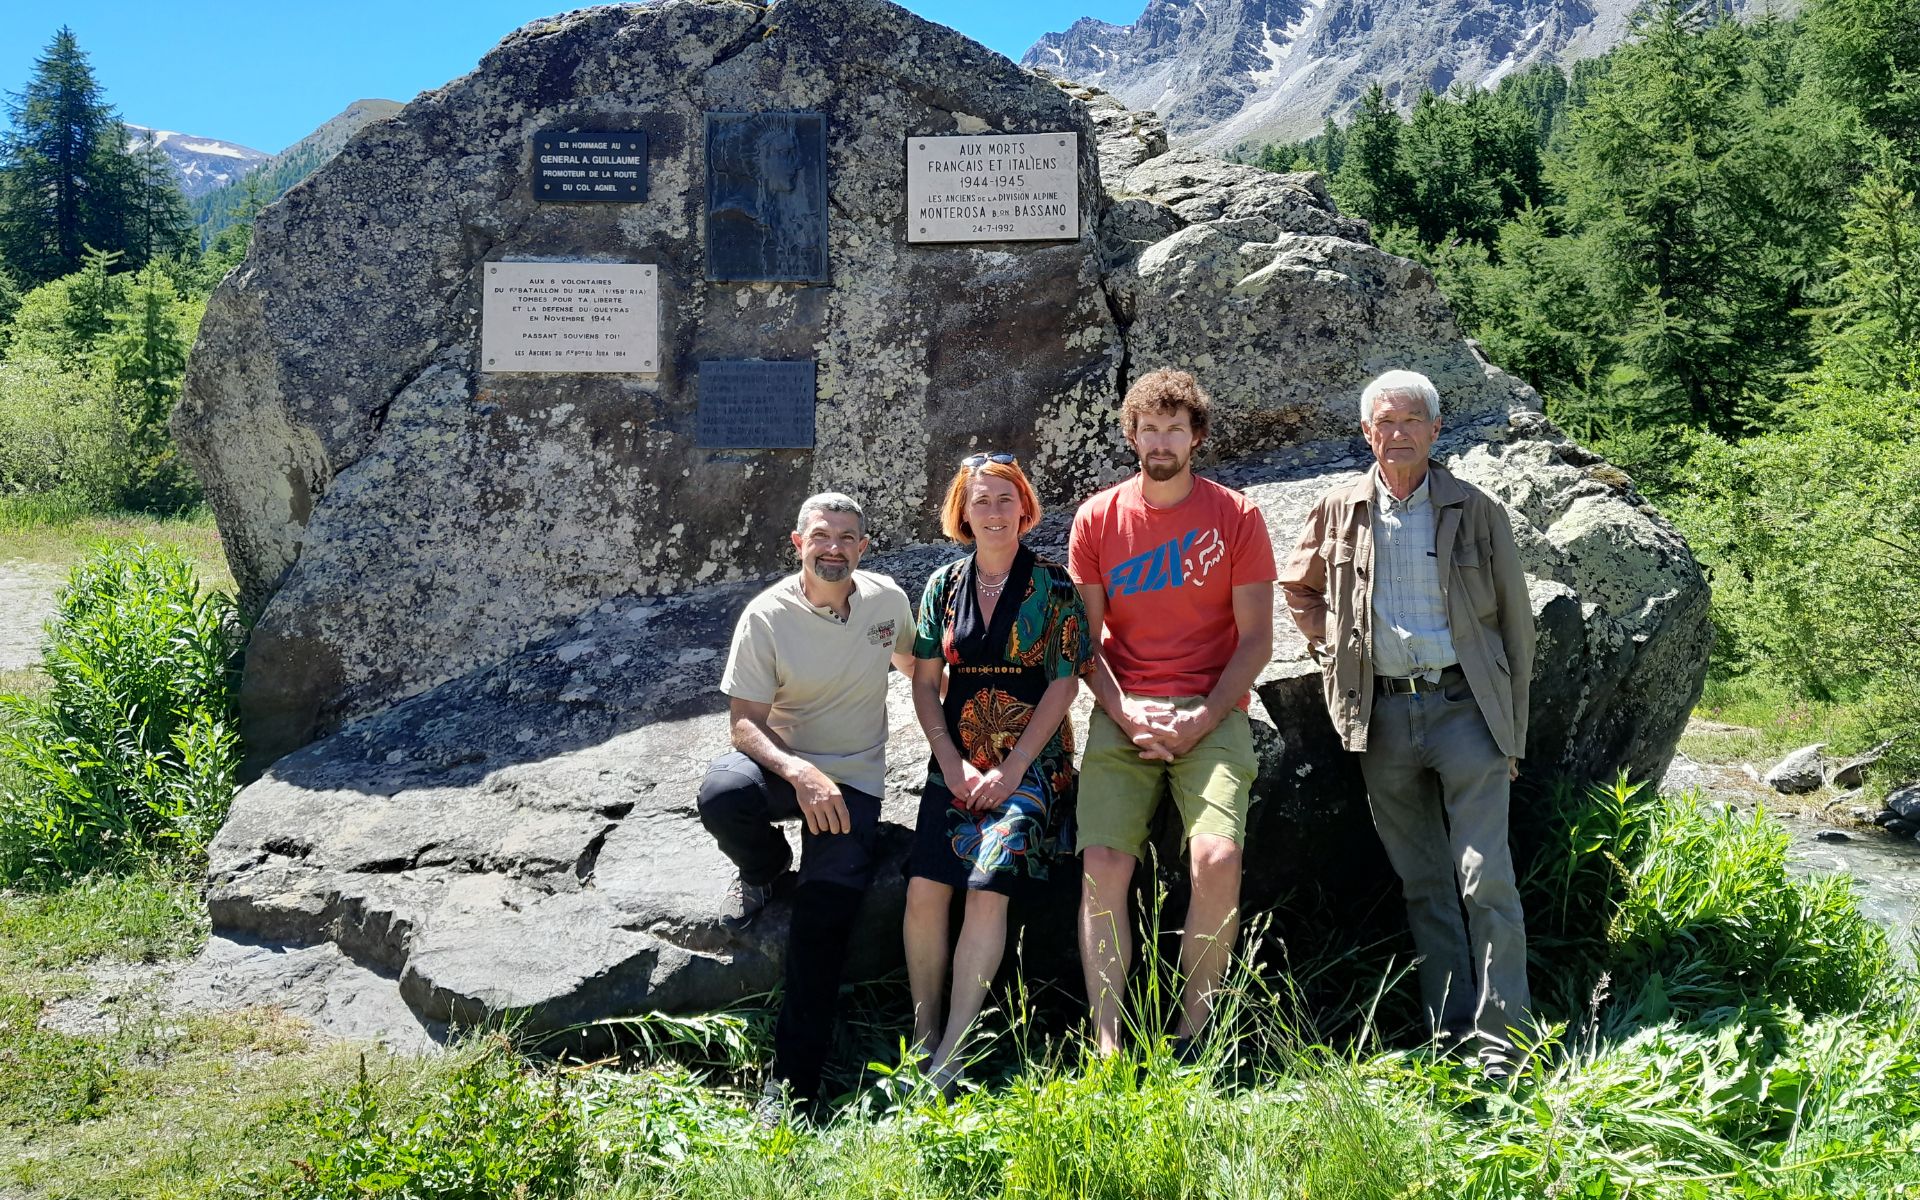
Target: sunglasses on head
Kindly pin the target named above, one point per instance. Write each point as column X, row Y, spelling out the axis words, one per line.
column 981, row 460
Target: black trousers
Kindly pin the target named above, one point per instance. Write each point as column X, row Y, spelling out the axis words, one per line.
column 739, row 804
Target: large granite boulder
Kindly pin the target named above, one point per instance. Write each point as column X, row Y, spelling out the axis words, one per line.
column 501, row 603
column 404, row 517
column 524, row 840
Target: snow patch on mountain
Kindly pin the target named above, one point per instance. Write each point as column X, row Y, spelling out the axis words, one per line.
column 200, row 164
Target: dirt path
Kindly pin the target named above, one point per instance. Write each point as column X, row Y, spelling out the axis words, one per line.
column 26, row 600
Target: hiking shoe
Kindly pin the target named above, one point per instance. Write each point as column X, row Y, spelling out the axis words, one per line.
column 774, row 1108
column 751, row 899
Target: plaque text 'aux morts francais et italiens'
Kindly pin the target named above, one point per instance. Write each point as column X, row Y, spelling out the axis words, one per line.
column 570, row 316
column 995, row 187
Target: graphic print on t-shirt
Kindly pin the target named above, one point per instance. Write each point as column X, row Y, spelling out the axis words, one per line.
column 1189, row 558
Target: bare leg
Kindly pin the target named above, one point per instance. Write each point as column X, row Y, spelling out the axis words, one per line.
column 1213, row 922
column 925, row 931
column 983, row 939
column 1106, row 939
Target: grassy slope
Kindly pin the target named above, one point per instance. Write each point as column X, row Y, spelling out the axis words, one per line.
column 1738, row 1102
column 151, row 1105
column 58, row 538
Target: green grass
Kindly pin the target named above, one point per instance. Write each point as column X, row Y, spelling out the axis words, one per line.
column 1768, row 719
column 44, row 531
column 1735, row 1033
column 158, row 1104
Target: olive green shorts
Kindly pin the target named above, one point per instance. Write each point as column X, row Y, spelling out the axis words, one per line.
column 1211, row 784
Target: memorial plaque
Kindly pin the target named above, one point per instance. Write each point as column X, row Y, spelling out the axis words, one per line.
column 767, row 197
column 607, row 165
column 1002, row 187
column 753, row 404
column 570, row 316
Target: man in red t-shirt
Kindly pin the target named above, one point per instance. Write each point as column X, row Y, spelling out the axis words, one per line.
column 1177, row 574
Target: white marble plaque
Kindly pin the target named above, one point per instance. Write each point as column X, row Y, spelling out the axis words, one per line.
column 570, row 316
column 995, row 187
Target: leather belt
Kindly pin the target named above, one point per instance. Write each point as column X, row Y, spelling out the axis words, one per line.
column 1407, row 685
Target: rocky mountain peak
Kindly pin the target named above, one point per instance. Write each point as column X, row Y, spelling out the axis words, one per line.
column 1223, row 72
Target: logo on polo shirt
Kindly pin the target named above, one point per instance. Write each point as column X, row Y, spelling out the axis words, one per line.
column 881, row 634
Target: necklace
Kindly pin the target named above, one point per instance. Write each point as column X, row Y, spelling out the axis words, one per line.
column 990, row 586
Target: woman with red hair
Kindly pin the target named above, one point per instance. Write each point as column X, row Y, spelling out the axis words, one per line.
column 1000, row 645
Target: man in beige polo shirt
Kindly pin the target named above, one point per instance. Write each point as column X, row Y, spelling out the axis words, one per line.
column 807, row 682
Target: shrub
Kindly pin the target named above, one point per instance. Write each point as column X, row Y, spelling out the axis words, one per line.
column 1807, row 533
column 132, row 751
column 1686, row 909
column 61, row 434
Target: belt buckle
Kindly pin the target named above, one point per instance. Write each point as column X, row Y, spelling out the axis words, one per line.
column 1399, row 685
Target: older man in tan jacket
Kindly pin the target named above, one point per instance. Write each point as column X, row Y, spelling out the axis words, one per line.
column 1409, row 591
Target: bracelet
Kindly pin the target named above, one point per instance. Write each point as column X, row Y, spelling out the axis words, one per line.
column 939, row 732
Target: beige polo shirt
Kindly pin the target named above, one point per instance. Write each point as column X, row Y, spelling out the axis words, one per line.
column 826, row 680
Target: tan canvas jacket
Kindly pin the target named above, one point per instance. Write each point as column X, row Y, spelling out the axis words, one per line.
column 1328, row 582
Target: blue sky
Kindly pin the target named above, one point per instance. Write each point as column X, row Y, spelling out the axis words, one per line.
column 265, row 74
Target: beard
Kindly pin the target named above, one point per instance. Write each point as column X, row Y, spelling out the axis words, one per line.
column 831, row 572
column 1162, row 470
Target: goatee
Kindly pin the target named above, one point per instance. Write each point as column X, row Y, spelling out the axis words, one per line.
column 1163, row 470
column 831, row 572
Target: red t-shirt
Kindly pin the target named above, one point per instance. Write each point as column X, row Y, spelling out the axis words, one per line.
column 1169, row 574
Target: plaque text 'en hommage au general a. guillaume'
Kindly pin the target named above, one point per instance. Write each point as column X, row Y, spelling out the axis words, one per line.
column 606, row 165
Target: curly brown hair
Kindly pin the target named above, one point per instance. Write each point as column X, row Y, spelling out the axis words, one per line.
column 1167, row 391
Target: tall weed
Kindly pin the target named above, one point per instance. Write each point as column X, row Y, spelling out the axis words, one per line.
column 492, row 1130
column 1682, row 908
column 132, row 751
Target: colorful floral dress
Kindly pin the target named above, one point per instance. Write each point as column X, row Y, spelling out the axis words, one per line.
column 996, row 674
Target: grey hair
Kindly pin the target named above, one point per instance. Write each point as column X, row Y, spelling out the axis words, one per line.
column 826, row 502
column 1400, row 383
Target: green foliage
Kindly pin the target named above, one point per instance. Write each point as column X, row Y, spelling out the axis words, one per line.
column 1808, row 533
column 227, row 244
column 491, row 1131
column 93, row 372
column 1645, row 238
column 1870, row 336
column 65, row 319
column 1712, row 919
column 1372, row 181
column 10, row 294
column 62, row 435
column 156, row 220
column 1472, row 160
column 131, row 754
column 1678, row 172
column 1687, row 911
column 146, row 351
column 1867, row 53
